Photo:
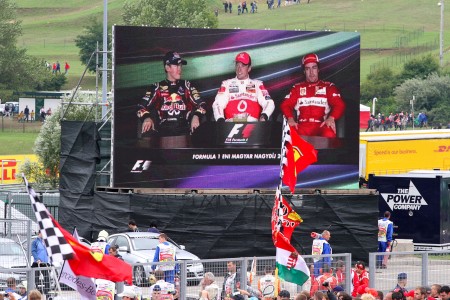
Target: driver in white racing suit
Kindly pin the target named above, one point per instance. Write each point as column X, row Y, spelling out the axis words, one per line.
column 242, row 99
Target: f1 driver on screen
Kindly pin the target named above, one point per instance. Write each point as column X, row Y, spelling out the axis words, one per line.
column 242, row 99
column 172, row 107
column 318, row 103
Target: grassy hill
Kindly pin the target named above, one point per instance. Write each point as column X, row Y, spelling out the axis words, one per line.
column 390, row 30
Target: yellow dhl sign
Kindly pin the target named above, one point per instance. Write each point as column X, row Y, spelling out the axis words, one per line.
column 401, row 156
column 10, row 164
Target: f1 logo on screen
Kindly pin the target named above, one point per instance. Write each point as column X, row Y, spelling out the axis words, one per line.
column 141, row 165
column 246, row 130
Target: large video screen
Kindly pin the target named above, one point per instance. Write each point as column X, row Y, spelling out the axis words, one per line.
column 239, row 152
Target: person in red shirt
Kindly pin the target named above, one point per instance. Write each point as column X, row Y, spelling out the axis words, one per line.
column 360, row 278
column 317, row 104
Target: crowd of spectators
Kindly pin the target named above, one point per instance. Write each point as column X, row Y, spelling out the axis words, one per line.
column 397, row 121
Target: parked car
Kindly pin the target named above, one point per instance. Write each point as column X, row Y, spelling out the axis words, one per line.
column 11, row 257
column 13, row 108
column 140, row 247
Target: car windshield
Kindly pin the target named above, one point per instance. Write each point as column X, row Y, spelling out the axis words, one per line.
column 145, row 243
column 10, row 249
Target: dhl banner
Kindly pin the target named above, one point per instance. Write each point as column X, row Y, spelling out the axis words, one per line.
column 10, row 164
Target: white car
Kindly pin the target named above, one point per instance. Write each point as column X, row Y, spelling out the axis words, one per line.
column 11, row 256
column 140, row 247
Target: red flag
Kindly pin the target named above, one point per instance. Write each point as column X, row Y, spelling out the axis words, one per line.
column 94, row 264
column 299, row 155
column 284, row 221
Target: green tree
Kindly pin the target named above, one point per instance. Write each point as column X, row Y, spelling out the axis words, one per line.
column 169, row 13
column 380, row 84
column 87, row 42
column 47, row 147
column 432, row 95
column 419, row 68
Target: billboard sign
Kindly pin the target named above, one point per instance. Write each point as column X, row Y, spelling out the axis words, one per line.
column 240, row 153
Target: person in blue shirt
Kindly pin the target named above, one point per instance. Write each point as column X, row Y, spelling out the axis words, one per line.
column 385, row 230
column 40, row 257
column 321, row 246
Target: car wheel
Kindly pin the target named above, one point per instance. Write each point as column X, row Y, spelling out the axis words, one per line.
column 139, row 276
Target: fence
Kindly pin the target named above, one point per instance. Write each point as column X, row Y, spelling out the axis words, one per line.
column 15, row 124
column 422, row 268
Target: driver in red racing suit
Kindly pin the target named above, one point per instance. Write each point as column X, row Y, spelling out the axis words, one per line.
column 171, row 107
column 242, row 99
column 317, row 103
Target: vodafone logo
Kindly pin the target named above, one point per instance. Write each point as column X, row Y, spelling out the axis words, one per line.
column 405, row 199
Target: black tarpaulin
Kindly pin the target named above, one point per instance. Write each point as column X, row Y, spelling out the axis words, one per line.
column 216, row 226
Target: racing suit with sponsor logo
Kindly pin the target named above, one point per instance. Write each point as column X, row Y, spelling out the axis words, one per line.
column 243, row 101
column 313, row 103
column 171, row 106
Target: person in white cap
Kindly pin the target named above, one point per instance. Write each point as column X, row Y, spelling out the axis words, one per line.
column 22, row 290
column 242, row 99
column 101, row 244
column 127, row 295
column 317, row 104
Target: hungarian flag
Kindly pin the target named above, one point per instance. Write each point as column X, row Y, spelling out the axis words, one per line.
column 62, row 245
column 296, row 155
column 290, row 265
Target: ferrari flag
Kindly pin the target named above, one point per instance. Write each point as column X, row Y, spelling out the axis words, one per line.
column 61, row 245
column 296, row 155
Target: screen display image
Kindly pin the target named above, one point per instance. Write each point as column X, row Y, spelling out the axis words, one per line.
column 202, row 108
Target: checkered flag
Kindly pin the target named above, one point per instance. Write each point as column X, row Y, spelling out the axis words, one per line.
column 57, row 247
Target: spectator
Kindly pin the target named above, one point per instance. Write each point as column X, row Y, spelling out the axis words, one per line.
column 236, row 102
column 225, row 6
column 230, row 6
column 58, row 67
column 26, row 111
column 114, row 251
column 42, row 114
column 209, row 288
column 444, row 292
column 35, row 295
column 22, row 290
column 66, row 68
column 360, row 278
column 32, row 115
column 435, row 288
column 49, row 111
column 166, row 288
column 21, row 117
column 340, row 273
column 318, row 104
column 420, row 293
column 402, row 280
column 284, row 295
column 132, row 226
column 40, row 256
column 232, row 280
column 54, row 68
column 268, row 284
column 127, row 295
column 11, row 285
column 398, row 296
